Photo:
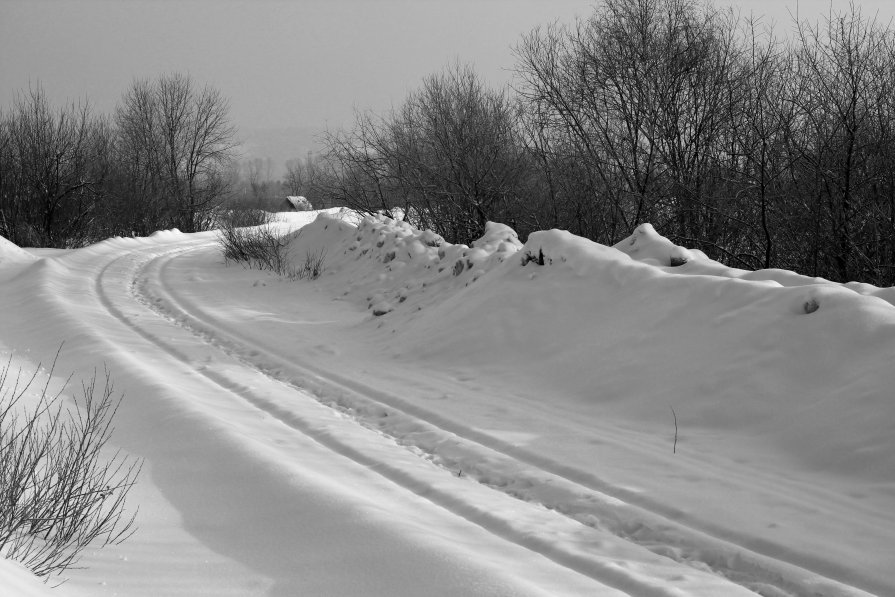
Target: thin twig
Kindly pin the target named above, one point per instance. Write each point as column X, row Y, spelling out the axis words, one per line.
column 674, row 414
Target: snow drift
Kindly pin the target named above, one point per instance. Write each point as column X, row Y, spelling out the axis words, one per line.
column 799, row 363
column 11, row 253
column 772, row 383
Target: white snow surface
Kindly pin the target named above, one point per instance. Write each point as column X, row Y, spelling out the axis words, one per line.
column 18, row 580
column 553, row 418
column 11, row 254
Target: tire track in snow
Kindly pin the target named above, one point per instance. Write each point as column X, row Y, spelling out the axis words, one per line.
column 627, row 567
column 573, row 493
column 65, row 292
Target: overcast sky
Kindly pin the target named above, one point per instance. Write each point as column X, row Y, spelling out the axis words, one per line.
column 284, row 64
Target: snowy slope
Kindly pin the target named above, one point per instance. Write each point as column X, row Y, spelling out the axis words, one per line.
column 802, row 363
column 12, row 254
column 18, row 581
column 554, row 418
column 769, row 373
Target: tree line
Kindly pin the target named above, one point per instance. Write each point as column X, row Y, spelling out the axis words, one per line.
column 70, row 176
column 759, row 150
column 762, row 152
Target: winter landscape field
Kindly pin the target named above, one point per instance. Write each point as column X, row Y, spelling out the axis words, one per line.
column 553, row 418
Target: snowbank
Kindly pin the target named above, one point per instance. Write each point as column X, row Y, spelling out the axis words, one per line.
column 646, row 245
column 633, row 330
column 385, row 262
column 11, row 253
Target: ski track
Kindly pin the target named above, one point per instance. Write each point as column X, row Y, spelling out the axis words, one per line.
column 762, row 567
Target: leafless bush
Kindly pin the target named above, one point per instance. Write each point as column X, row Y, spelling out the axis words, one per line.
column 264, row 248
column 59, row 493
column 247, row 237
column 241, row 218
column 312, row 266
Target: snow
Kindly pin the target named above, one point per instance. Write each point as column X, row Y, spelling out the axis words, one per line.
column 553, row 418
column 11, row 254
column 18, row 580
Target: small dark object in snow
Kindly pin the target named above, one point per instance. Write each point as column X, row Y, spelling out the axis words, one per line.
column 431, row 239
column 811, row 306
column 528, row 258
column 677, row 261
column 458, row 267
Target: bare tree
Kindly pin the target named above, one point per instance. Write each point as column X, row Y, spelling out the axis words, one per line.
column 259, row 179
column 466, row 151
column 354, row 170
column 761, row 154
column 139, row 188
column 54, row 163
column 760, row 159
column 640, row 94
column 451, row 157
column 296, row 176
column 178, row 138
column 844, row 69
column 8, row 175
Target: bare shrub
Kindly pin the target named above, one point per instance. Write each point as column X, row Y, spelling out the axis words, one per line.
column 247, row 237
column 59, row 493
column 264, row 248
column 312, row 266
column 254, row 246
column 244, row 217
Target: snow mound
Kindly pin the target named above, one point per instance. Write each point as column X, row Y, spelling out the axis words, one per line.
column 498, row 238
column 302, row 218
column 648, row 246
column 589, row 320
column 384, row 262
column 11, row 253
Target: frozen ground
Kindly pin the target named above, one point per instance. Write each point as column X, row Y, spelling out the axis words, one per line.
column 429, row 419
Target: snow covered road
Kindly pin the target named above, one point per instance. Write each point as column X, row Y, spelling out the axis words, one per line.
column 247, row 480
column 292, row 449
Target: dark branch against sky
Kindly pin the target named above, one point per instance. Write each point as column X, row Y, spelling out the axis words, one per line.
column 301, row 63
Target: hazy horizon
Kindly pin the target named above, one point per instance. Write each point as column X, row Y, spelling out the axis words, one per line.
column 300, row 65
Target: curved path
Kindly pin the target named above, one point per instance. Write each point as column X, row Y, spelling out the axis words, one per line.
column 295, row 471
